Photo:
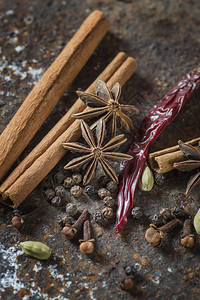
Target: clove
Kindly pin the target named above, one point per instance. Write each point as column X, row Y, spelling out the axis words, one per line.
column 187, row 238
column 87, row 244
column 70, row 230
column 22, row 220
column 155, row 235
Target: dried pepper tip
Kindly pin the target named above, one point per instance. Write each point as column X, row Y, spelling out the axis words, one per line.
column 127, row 284
column 197, row 222
column 36, row 249
column 146, row 180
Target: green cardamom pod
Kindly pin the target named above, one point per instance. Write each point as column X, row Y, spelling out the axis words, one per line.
column 197, row 222
column 36, row 249
column 146, row 180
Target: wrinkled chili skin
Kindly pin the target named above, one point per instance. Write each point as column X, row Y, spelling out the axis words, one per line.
column 153, row 124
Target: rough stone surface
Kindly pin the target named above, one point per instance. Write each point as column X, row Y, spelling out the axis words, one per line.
column 164, row 38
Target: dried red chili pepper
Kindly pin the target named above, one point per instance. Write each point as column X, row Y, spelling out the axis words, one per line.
column 153, row 124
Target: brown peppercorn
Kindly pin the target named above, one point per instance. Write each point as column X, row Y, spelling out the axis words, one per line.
column 68, row 182
column 127, row 284
column 108, row 201
column 107, row 212
column 61, row 192
column 155, row 235
column 76, row 191
column 71, row 209
column 102, row 193
column 112, row 187
column 77, row 178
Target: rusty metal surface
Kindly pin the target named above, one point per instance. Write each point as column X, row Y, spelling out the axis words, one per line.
column 164, row 38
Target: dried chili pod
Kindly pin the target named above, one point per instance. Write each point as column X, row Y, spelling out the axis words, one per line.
column 153, row 124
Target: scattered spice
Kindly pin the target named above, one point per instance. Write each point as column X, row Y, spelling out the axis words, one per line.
column 49, row 193
column 108, row 201
column 87, row 244
column 17, row 221
column 90, row 190
column 36, row 249
column 156, row 219
column 31, row 218
column 56, row 201
column 193, row 163
column 137, row 213
column 153, row 124
column 77, row 178
column 96, row 152
column 146, row 180
column 187, row 238
column 71, row 209
column 127, row 284
column 159, row 178
column 59, row 177
column 107, row 212
column 70, row 230
column 102, row 193
column 61, row 192
column 99, row 218
column 106, row 102
column 166, row 214
column 179, row 212
column 76, row 191
column 155, row 235
column 68, row 182
column 197, row 222
column 112, row 187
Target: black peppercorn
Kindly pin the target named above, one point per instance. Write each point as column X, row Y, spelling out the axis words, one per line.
column 157, row 219
column 49, row 193
column 56, row 201
column 89, row 189
column 136, row 213
column 61, row 192
column 59, row 177
column 99, row 218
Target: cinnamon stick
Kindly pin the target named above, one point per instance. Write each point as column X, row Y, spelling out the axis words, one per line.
column 61, row 125
column 32, row 176
column 44, row 96
column 162, row 161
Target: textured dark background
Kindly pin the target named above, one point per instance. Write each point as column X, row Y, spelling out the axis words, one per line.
column 164, row 38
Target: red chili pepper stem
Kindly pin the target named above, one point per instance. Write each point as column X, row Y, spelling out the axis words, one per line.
column 153, row 124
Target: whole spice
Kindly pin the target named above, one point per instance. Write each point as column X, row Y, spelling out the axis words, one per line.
column 61, row 192
column 146, row 180
column 187, row 238
column 59, row 177
column 36, row 249
column 56, row 201
column 112, row 187
column 77, row 178
column 68, row 182
column 166, row 214
column 70, row 230
column 193, row 163
column 97, row 152
column 87, row 244
column 109, row 201
column 30, row 218
column 106, row 102
column 107, row 212
column 153, row 124
column 127, row 284
column 179, row 212
column 137, row 213
column 49, row 193
column 102, row 193
column 90, row 190
column 197, row 222
column 99, row 218
column 156, row 219
column 71, row 209
column 155, row 235
column 76, row 191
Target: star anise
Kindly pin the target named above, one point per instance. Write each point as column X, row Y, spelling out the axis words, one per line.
column 97, row 153
column 193, row 163
column 107, row 102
